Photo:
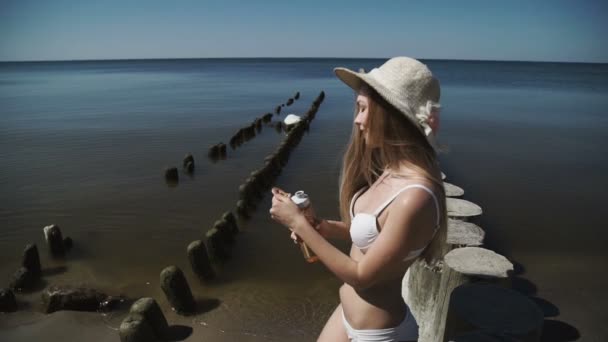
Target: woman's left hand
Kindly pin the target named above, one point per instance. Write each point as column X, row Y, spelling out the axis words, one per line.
column 283, row 209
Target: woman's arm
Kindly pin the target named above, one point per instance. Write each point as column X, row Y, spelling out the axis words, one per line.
column 333, row 229
column 328, row 229
column 411, row 218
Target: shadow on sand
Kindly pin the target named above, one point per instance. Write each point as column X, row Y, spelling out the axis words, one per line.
column 553, row 330
column 177, row 333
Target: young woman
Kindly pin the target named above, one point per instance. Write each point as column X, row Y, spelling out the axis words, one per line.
column 392, row 202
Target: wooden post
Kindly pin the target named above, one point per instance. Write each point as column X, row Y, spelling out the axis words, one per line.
column 151, row 312
column 242, row 209
column 475, row 264
column 461, row 233
column 229, row 217
column 134, row 328
column 426, row 290
column 176, row 288
column 462, row 209
column 223, row 227
column 54, row 239
column 452, row 190
column 188, row 163
column 171, row 175
column 7, row 301
column 478, row 262
column 31, row 259
column 216, row 246
column 199, row 260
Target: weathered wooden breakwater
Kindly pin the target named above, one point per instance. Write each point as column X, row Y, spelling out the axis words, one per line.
column 261, row 179
column 217, row 242
column 248, row 132
column 219, row 239
column 218, row 151
column 457, row 298
column 144, row 318
column 29, row 276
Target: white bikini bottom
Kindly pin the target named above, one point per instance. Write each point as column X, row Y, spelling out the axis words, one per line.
column 406, row 331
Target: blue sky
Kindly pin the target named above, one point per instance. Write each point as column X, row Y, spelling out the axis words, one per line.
column 542, row 30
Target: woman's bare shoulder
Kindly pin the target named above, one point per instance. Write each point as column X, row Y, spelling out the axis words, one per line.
column 403, row 181
column 416, row 201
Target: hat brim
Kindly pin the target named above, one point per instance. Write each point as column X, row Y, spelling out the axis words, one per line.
column 351, row 78
column 356, row 80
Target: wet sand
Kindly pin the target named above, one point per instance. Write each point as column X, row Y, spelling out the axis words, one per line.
column 215, row 321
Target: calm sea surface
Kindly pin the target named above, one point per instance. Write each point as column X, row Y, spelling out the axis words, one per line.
column 83, row 145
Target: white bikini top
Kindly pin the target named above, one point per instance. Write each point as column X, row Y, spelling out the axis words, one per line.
column 364, row 227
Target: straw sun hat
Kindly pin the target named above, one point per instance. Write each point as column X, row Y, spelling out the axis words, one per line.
column 408, row 85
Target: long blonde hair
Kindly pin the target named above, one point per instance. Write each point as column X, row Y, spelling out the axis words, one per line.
column 393, row 141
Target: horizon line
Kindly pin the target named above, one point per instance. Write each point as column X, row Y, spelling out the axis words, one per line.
column 353, row 58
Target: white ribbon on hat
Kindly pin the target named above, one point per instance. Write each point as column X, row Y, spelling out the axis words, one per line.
column 428, row 117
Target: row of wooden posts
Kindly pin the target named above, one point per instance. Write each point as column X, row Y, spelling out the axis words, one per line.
column 247, row 133
column 54, row 298
column 219, row 151
column 219, row 239
column 145, row 321
column 172, row 173
column 261, row 179
column 29, row 274
column 467, row 296
column 289, row 102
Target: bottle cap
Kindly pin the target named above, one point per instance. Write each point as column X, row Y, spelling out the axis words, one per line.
column 300, row 199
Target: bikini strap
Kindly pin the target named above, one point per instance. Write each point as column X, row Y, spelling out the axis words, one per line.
column 420, row 186
column 352, row 201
